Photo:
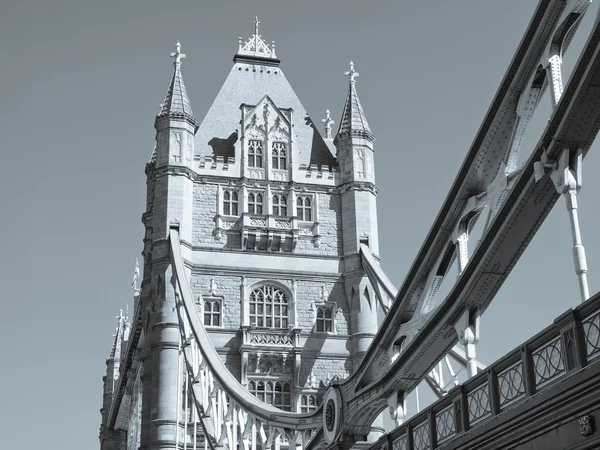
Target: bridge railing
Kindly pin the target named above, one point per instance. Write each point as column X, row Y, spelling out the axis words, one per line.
column 569, row 344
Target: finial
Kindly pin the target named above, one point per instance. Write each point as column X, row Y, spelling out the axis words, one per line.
column 177, row 55
column 328, row 122
column 256, row 46
column 136, row 275
column 351, row 74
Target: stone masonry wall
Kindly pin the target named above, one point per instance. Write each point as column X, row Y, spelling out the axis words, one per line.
column 205, row 210
column 308, row 294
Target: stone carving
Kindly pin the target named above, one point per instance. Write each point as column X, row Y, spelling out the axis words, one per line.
column 305, row 230
column 269, row 364
column 270, row 339
column 257, row 174
column 256, row 46
column 283, row 224
column 258, row 222
column 586, row 425
column 212, row 286
column 317, row 241
column 177, row 137
column 280, row 175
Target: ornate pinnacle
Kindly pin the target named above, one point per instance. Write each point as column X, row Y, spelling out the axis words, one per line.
column 328, row 122
column 351, row 74
column 177, row 55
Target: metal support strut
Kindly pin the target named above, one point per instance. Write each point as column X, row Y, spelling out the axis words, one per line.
column 467, row 329
column 566, row 174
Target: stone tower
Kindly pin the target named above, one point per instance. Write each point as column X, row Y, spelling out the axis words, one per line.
column 271, row 225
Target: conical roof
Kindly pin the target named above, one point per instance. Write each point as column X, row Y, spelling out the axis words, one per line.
column 354, row 122
column 176, row 103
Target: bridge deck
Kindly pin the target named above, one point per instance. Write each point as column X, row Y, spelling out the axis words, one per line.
column 536, row 396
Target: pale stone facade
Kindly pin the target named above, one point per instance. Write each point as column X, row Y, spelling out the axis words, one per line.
column 271, row 224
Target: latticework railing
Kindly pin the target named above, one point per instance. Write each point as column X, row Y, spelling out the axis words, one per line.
column 571, row 344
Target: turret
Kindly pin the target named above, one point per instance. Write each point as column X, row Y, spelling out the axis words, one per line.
column 170, row 204
column 354, row 144
column 111, row 439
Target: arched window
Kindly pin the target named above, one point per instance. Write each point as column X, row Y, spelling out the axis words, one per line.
column 309, row 402
column 274, row 392
column 269, row 307
column 255, row 203
column 230, row 203
column 255, row 153
column 212, row 312
column 325, row 318
column 304, row 208
column 279, row 205
column 279, row 155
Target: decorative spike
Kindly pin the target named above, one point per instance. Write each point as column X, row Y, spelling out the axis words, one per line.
column 354, row 121
column 176, row 103
column 256, row 46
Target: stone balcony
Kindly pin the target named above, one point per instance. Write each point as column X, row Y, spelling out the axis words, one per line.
column 267, row 232
column 285, row 339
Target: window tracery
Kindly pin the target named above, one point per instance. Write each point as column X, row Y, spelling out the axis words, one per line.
column 255, row 203
column 279, row 205
column 310, row 402
column 325, row 319
column 279, row 155
column 212, row 309
column 274, row 392
column 230, row 203
column 269, row 307
column 304, row 208
column 255, row 153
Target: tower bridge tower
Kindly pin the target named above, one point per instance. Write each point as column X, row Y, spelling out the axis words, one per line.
column 271, row 225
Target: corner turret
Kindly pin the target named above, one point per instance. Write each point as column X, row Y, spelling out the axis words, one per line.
column 175, row 123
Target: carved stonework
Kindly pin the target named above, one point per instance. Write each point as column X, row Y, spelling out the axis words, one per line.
column 586, row 425
column 270, row 364
column 256, row 174
column 280, row 175
column 317, row 241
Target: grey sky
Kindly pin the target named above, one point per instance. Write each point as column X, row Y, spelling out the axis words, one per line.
column 80, row 85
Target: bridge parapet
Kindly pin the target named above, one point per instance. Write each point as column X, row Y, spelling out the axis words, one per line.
column 569, row 345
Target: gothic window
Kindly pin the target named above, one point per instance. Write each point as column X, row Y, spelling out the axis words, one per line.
column 279, row 205
column 230, row 203
column 279, row 155
column 274, row 392
column 309, row 402
column 212, row 312
column 255, row 153
column 255, row 203
column 268, row 307
column 325, row 319
column 304, row 208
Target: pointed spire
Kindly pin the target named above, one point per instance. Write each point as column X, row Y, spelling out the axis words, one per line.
column 354, row 122
column 176, row 103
